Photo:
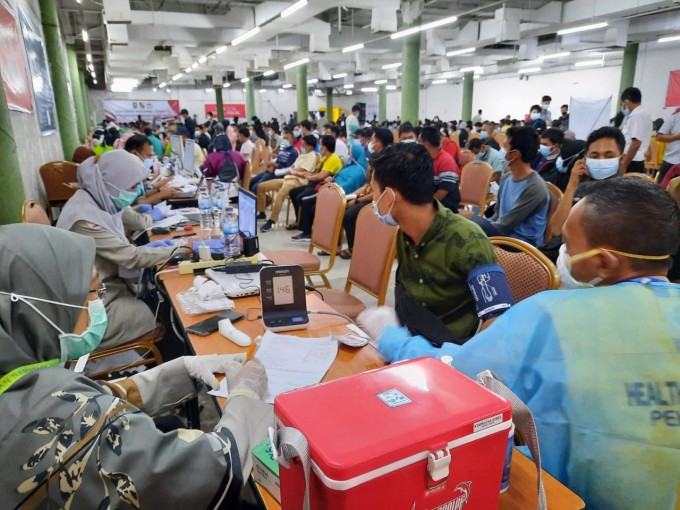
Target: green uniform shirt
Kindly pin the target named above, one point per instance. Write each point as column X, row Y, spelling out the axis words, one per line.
column 435, row 271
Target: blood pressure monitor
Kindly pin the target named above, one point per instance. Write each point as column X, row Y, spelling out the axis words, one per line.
column 282, row 291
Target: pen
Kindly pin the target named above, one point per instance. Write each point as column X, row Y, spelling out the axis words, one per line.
column 250, row 354
column 184, row 235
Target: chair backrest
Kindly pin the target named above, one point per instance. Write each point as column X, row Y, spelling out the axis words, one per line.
column 32, row 212
column 555, row 198
column 474, row 184
column 527, row 270
column 652, row 151
column 454, row 137
column 266, row 156
column 330, row 210
column 256, row 161
column 247, row 176
column 375, row 248
column 55, row 176
column 472, row 135
column 500, row 138
column 395, row 135
column 639, row 175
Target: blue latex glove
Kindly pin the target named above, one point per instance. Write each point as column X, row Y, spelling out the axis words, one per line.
column 164, row 243
column 157, row 214
column 145, row 208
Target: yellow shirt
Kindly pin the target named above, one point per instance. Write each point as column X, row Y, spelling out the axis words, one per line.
column 331, row 164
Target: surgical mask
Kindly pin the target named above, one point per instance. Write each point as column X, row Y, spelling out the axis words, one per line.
column 148, row 163
column 72, row 345
column 484, row 135
column 625, row 111
column 546, row 106
column 479, row 155
column 559, row 164
column 197, row 134
column 124, row 199
column 303, row 150
column 600, row 169
column 535, row 115
column 545, row 150
column 371, row 147
column 285, row 144
column 387, row 219
column 567, row 280
column 296, row 133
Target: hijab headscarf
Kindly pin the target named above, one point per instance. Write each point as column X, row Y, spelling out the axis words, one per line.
column 359, row 156
column 43, row 262
column 116, row 170
column 222, row 143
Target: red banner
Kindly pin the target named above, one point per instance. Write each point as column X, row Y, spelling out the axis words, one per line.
column 14, row 74
column 230, row 110
column 673, row 93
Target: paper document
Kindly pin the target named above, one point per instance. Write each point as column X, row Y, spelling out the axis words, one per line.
column 294, row 362
column 169, row 221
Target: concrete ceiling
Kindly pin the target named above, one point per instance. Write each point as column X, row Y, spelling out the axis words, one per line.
column 154, row 40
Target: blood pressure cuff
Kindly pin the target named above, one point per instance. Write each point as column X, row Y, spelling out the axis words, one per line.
column 490, row 290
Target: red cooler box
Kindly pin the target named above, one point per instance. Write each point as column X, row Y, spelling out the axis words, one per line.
column 416, row 435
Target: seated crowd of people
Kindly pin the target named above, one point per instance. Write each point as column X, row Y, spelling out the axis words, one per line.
column 596, row 362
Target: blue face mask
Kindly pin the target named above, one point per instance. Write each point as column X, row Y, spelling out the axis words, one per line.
column 559, row 164
column 148, row 163
column 484, row 135
column 285, row 144
column 600, row 169
column 303, row 150
column 625, row 111
column 544, row 150
column 124, row 199
column 535, row 116
column 387, row 219
column 74, row 346
column 480, row 155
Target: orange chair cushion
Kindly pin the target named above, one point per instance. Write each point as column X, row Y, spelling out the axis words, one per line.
column 308, row 261
column 343, row 302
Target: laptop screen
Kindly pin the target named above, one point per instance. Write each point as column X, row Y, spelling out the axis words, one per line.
column 188, row 157
column 247, row 213
column 176, row 144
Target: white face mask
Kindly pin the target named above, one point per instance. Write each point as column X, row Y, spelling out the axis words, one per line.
column 567, row 280
column 371, row 147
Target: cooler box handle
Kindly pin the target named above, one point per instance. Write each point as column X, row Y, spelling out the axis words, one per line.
column 524, row 422
column 289, row 443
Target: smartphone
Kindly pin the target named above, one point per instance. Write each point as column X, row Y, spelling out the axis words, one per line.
column 209, row 326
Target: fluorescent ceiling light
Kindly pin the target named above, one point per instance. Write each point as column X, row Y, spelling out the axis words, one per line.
column 582, row 29
column 226, row 85
column 219, row 50
column 268, row 73
column 208, row 91
column 392, row 66
column 188, row 70
column 349, row 92
column 426, row 26
column 167, row 90
column 262, row 91
column 296, row 63
column 154, row 89
column 391, row 87
column 312, row 81
column 244, row 90
column 286, row 85
column 369, row 89
column 669, row 39
column 94, row 81
column 348, row 86
column 194, row 65
column 281, row 90
column 438, row 82
column 380, row 82
column 162, row 85
column 86, row 37
column 556, row 55
column 476, row 76
column 92, row 73
column 586, row 63
column 245, row 80
column 460, row 52
column 203, row 60
column 293, row 8
column 177, row 77
column 250, row 33
column 354, row 47
column 529, row 70
column 474, row 69
column 124, row 84
column 88, row 57
column 339, row 75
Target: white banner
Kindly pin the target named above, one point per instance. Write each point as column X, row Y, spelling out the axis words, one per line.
column 587, row 114
column 127, row 110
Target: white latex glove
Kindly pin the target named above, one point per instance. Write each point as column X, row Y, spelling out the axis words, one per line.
column 250, row 381
column 203, row 368
column 374, row 320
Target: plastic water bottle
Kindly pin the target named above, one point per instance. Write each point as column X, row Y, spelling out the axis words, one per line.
column 220, row 200
column 232, row 243
column 205, row 210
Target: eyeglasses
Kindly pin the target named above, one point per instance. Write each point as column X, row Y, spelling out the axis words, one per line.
column 101, row 291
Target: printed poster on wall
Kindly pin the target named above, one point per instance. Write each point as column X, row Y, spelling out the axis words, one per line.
column 673, row 93
column 230, row 110
column 14, row 74
column 40, row 75
column 128, row 110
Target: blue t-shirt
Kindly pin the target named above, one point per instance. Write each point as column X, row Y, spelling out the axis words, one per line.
column 522, row 208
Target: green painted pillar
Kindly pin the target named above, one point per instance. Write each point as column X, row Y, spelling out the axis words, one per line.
column 301, row 89
column 12, row 189
column 219, row 103
column 628, row 68
column 75, row 89
column 86, row 101
column 59, row 73
column 382, row 103
column 329, row 104
column 250, row 98
column 468, row 89
column 410, row 79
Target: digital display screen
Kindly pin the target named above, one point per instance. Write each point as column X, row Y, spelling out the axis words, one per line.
column 297, row 319
column 247, row 213
column 188, row 156
column 283, row 290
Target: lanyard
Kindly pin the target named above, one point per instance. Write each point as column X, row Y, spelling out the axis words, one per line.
column 9, row 379
column 645, row 280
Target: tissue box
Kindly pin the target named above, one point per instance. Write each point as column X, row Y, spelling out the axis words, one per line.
column 266, row 469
